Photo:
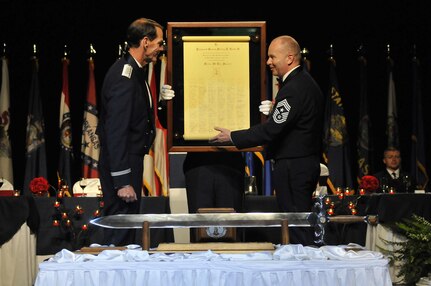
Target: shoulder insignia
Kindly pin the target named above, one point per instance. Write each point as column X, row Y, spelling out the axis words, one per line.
column 281, row 112
column 127, row 70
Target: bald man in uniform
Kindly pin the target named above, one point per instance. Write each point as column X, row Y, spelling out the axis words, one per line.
column 292, row 134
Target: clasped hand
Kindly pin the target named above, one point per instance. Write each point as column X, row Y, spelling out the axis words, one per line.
column 127, row 194
column 166, row 92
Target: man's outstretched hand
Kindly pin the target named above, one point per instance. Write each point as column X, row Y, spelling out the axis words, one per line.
column 222, row 137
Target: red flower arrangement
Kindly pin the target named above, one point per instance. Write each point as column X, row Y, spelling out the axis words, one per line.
column 39, row 186
column 369, row 183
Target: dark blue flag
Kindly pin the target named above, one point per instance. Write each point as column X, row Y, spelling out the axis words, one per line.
column 417, row 167
column 335, row 141
column 35, row 139
column 364, row 144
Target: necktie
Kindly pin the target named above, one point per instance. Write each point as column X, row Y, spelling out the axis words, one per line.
column 280, row 82
column 394, row 175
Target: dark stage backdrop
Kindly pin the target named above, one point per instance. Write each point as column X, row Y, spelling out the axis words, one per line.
column 52, row 24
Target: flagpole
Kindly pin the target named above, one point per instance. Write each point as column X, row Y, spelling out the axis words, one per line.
column 122, row 49
column 331, row 52
column 34, row 57
column 3, row 54
column 65, row 53
column 304, row 53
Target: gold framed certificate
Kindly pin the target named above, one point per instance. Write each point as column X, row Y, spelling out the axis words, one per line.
column 217, row 70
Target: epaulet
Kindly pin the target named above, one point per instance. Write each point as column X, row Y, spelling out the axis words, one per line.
column 127, row 70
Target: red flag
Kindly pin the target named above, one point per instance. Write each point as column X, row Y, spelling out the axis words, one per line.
column 65, row 124
column 90, row 141
column 156, row 163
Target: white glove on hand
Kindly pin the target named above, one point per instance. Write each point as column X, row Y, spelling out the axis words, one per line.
column 166, row 92
column 265, row 107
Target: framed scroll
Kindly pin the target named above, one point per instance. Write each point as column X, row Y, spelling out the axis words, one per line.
column 217, row 70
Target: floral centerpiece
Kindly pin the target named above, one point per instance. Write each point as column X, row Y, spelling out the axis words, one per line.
column 369, row 183
column 39, row 186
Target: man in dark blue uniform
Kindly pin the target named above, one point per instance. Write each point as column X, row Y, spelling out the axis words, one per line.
column 292, row 134
column 126, row 128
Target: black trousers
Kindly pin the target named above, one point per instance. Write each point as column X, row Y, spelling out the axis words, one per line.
column 115, row 205
column 295, row 179
column 214, row 180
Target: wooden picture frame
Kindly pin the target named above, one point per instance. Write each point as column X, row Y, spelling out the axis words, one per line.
column 246, row 39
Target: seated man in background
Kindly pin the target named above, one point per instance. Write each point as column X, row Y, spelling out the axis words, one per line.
column 392, row 175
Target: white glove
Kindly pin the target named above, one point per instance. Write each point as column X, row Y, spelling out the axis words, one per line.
column 265, row 107
column 166, row 92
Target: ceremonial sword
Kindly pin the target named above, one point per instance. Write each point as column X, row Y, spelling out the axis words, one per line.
column 251, row 219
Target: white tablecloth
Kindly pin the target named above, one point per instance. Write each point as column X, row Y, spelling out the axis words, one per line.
column 18, row 259
column 288, row 265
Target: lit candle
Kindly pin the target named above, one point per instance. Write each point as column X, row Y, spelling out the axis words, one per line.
column 55, row 223
column 57, row 204
column 79, row 209
column 347, row 192
column 84, row 227
column 362, row 191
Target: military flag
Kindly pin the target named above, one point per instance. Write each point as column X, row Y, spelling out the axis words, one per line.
column 249, row 164
column 336, row 141
column 6, row 168
column 364, row 146
column 392, row 115
column 36, row 165
column 65, row 124
column 90, row 145
column 417, row 168
column 156, row 163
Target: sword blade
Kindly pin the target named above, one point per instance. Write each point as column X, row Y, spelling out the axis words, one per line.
column 195, row 220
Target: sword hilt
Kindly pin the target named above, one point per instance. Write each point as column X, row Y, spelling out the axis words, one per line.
column 323, row 218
